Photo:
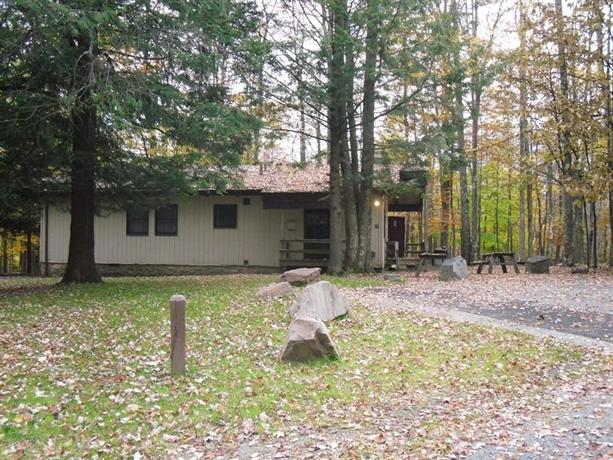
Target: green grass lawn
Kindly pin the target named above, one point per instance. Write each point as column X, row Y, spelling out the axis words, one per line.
column 85, row 369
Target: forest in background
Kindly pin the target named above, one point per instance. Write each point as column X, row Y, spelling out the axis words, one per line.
column 506, row 103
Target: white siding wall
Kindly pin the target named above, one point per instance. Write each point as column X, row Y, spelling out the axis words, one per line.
column 256, row 238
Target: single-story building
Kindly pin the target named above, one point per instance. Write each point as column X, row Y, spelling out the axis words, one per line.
column 277, row 218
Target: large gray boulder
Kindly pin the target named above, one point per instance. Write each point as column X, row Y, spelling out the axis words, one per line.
column 301, row 276
column 275, row 290
column 453, row 269
column 537, row 264
column 321, row 300
column 307, row 339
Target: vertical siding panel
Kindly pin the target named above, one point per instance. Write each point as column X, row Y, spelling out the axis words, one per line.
column 256, row 239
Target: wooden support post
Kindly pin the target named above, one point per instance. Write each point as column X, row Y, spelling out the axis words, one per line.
column 514, row 260
column 503, row 263
column 177, row 334
column 490, row 269
column 419, row 265
column 396, row 255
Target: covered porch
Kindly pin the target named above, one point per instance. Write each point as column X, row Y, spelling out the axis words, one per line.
column 305, row 229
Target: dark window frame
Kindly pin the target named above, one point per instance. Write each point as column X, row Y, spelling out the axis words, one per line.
column 159, row 220
column 129, row 230
column 225, row 222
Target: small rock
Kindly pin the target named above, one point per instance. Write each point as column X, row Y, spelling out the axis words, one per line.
column 132, row 408
column 275, row 290
column 308, row 339
column 322, row 301
column 301, row 276
column 537, row 264
column 580, row 270
column 453, row 269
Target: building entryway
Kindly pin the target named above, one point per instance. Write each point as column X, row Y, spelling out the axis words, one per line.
column 316, row 227
column 396, row 232
column 404, row 228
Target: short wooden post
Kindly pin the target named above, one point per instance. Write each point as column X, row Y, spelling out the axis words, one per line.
column 515, row 264
column 177, row 334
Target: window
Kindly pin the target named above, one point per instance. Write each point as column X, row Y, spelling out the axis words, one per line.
column 224, row 216
column 166, row 220
column 137, row 222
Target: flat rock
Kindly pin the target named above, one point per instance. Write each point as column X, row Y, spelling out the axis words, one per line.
column 307, row 339
column 321, row 300
column 275, row 290
column 301, row 276
column 537, row 264
column 453, row 269
column 580, row 270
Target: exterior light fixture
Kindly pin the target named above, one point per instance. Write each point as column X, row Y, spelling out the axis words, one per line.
column 377, row 203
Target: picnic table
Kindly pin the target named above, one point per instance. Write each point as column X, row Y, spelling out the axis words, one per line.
column 497, row 258
column 432, row 257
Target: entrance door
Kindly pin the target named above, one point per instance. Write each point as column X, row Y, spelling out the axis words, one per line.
column 316, row 227
column 395, row 232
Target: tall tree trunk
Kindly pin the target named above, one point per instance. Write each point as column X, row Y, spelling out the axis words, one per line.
column 5, row 255
column 301, row 108
column 81, row 266
column 368, row 133
column 353, row 135
column 446, row 184
column 567, row 157
column 349, row 207
column 497, row 210
column 523, row 131
column 609, row 113
column 318, row 135
column 303, row 157
column 594, row 238
column 29, row 253
column 475, row 114
column 458, row 123
column 349, row 178
column 530, row 216
column 337, row 129
column 549, row 209
column 465, row 246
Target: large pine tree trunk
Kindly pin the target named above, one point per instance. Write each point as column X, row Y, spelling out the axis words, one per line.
column 349, row 206
column 368, row 133
column 81, row 267
column 337, row 134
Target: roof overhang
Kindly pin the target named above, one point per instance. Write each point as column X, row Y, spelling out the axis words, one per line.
column 298, row 200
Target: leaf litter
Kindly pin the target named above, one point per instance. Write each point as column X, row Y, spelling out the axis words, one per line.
column 84, row 372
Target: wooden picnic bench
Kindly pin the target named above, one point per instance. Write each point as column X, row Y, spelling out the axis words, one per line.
column 432, row 257
column 497, row 258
